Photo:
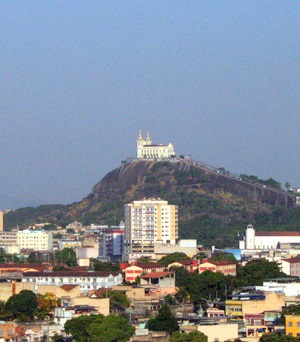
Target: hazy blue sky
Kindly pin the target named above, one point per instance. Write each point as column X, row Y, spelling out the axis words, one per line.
column 218, row 79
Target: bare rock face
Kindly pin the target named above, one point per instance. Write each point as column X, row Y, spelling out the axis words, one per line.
column 136, row 175
column 120, row 180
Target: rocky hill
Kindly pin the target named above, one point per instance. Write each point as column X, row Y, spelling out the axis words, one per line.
column 213, row 206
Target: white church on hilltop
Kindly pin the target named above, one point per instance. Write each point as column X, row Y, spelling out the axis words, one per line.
column 147, row 150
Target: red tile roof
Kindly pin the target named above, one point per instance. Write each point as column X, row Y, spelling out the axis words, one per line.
column 72, row 274
column 182, row 262
column 68, row 287
column 156, row 275
column 263, row 233
column 99, row 292
column 295, row 260
column 150, row 265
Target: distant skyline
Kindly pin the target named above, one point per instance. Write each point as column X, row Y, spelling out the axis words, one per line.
column 220, row 80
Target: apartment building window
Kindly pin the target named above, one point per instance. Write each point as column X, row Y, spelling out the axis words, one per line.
column 290, row 324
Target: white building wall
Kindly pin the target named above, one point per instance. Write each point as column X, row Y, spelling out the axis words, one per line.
column 255, row 241
column 289, row 289
column 272, row 242
column 250, row 237
column 91, row 282
column 145, row 149
column 87, row 252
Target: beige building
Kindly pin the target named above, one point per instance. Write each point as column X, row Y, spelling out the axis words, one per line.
column 214, row 332
column 1, row 221
column 238, row 307
column 186, row 246
column 222, row 266
column 9, row 241
column 147, row 150
column 38, row 240
column 147, row 222
column 291, row 266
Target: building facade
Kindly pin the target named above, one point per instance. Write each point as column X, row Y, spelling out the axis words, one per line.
column 37, row 240
column 86, row 280
column 222, row 266
column 262, row 240
column 111, row 243
column 147, row 222
column 291, row 266
column 147, row 150
column 292, row 325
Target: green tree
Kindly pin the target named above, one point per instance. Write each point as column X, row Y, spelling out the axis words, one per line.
column 78, row 327
column 144, row 260
column 220, row 256
column 4, row 313
column 168, row 259
column 200, row 255
column 67, row 256
column 105, row 266
column 278, row 338
column 289, row 310
column 182, row 295
column 34, row 259
column 255, row 272
column 169, row 299
column 118, row 300
column 287, row 185
column 164, row 321
column 23, row 305
column 193, row 336
column 182, row 275
column 111, row 329
column 207, row 286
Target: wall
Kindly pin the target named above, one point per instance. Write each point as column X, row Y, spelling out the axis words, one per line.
column 220, row 332
column 101, row 304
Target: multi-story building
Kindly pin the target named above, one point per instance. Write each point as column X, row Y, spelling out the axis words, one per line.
column 291, row 266
column 87, row 280
column 16, row 240
column 111, row 243
column 146, row 222
column 292, row 325
column 222, row 266
column 253, row 303
column 38, row 240
column 9, row 241
column 134, row 271
column 147, row 150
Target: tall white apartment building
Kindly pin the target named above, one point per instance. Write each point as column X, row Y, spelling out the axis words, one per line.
column 38, row 240
column 147, row 150
column 147, row 222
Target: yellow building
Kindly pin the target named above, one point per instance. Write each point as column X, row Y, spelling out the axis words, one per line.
column 147, row 222
column 292, row 325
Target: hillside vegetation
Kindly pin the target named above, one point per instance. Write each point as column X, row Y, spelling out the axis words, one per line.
column 213, row 207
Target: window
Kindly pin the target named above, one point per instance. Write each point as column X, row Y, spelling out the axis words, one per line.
column 290, row 324
column 298, row 324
